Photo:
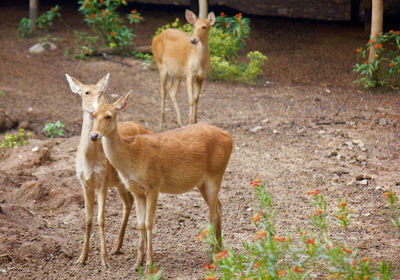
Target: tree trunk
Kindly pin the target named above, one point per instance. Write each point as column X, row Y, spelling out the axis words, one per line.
column 33, row 12
column 376, row 23
column 203, row 9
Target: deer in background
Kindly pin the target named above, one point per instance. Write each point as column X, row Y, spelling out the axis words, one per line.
column 94, row 171
column 179, row 55
column 171, row 162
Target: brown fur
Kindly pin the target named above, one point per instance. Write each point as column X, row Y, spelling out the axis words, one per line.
column 170, row 162
column 95, row 172
column 176, row 56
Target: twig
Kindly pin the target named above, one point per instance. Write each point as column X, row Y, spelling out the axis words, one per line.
column 6, row 256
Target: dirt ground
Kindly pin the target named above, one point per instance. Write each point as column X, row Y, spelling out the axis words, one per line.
column 316, row 130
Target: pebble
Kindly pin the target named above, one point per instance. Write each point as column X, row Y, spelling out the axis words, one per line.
column 256, row 129
column 383, row 122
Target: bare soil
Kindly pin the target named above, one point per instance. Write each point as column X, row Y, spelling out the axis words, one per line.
column 316, row 130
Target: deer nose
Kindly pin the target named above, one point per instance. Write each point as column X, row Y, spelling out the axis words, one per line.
column 94, row 136
column 193, row 41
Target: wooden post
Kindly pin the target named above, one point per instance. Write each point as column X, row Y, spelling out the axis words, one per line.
column 203, row 9
column 376, row 23
column 33, row 12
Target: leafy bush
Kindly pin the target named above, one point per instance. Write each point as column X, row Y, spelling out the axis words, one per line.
column 24, row 28
column 106, row 23
column 313, row 255
column 13, row 141
column 384, row 68
column 53, row 130
column 225, row 40
column 44, row 21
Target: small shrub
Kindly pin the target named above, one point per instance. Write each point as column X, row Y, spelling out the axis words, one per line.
column 53, row 130
column 393, row 200
column 13, row 141
column 384, row 69
column 24, row 28
column 313, row 255
column 45, row 20
column 106, row 23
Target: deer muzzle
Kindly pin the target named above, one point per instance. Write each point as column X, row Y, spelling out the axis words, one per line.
column 94, row 136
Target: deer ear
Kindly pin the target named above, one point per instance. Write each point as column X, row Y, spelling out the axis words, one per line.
column 122, row 102
column 211, row 18
column 103, row 83
column 190, row 16
column 74, row 84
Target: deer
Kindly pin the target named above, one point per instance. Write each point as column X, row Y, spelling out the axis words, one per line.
column 181, row 55
column 173, row 162
column 95, row 172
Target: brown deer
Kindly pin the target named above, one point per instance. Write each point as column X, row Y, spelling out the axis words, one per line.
column 172, row 162
column 179, row 55
column 94, row 170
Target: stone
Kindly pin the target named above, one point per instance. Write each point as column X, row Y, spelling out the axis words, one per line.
column 256, row 129
column 36, row 48
column 383, row 122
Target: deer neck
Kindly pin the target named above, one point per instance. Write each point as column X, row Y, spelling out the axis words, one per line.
column 88, row 147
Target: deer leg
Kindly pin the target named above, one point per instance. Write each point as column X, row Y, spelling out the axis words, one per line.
column 101, row 202
column 88, row 193
column 189, row 85
column 140, row 204
column 172, row 93
column 127, row 199
column 151, row 204
column 163, row 78
column 198, row 83
column 209, row 190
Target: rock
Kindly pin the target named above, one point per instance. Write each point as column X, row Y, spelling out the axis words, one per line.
column 6, row 122
column 256, row 129
column 363, row 177
column 359, row 143
column 24, row 125
column 378, row 188
column 363, row 182
column 265, row 121
column 42, row 47
column 333, row 154
column 383, row 122
column 340, row 157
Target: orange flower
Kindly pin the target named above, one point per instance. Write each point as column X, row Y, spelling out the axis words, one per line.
column 278, row 238
column 347, row 250
column 115, row 19
column 366, row 277
column 355, row 262
column 256, row 264
column 343, row 204
column 397, row 32
column 314, row 192
column 52, row 9
column 255, row 183
column 318, row 212
column 210, row 277
column 133, row 11
column 376, row 33
column 378, row 46
column 239, row 15
column 226, row 24
column 260, row 234
column 310, row 241
column 297, row 269
column 281, row 273
column 202, row 234
column 112, row 33
column 92, row 16
column 86, row 2
column 340, row 217
column 118, row 25
column 371, row 42
column 222, row 14
column 391, row 64
column 366, row 62
column 222, row 254
column 256, row 217
column 365, row 259
column 209, row 266
column 101, row 1
column 358, row 50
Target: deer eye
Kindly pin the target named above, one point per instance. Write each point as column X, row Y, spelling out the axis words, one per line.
column 204, row 27
column 108, row 117
column 86, row 93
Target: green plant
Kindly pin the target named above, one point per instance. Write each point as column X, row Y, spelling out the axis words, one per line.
column 225, row 41
column 45, row 20
column 313, row 255
column 106, row 23
column 85, row 45
column 153, row 273
column 13, row 141
column 53, row 130
column 393, row 200
column 24, row 28
column 384, row 68
column 2, row 93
